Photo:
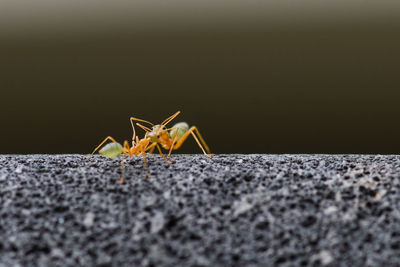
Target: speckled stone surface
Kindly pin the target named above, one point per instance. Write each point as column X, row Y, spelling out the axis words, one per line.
column 229, row 210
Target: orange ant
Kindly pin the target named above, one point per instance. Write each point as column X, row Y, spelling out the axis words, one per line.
column 172, row 138
column 114, row 149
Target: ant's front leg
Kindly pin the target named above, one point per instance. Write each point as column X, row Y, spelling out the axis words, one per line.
column 159, row 150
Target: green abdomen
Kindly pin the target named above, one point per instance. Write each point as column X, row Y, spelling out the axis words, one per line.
column 111, row 150
column 182, row 128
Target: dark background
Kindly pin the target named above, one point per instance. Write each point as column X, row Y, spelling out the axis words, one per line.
column 255, row 78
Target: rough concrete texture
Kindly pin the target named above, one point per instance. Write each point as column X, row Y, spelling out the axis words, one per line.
column 229, row 210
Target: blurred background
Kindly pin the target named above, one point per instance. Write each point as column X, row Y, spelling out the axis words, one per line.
column 254, row 76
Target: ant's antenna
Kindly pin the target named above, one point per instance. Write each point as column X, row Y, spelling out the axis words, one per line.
column 143, row 127
column 136, row 119
column 169, row 119
column 133, row 128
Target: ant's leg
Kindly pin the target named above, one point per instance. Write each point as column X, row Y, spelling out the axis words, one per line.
column 190, row 131
column 145, row 166
column 151, row 148
column 102, row 143
column 172, row 128
column 121, row 180
column 159, row 150
column 172, row 146
column 126, row 149
column 201, row 139
column 169, row 119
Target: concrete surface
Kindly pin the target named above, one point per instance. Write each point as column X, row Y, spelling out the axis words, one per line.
column 230, row 210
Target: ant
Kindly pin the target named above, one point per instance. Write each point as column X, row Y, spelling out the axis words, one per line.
column 114, row 149
column 170, row 139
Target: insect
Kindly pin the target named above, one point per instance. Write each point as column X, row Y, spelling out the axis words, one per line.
column 114, row 149
column 172, row 138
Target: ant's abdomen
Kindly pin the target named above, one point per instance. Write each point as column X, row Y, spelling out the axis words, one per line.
column 179, row 130
column 111, row 150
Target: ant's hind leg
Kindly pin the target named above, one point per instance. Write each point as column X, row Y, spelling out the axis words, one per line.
column 201, row 139
column 102, row 143
column 185, row 136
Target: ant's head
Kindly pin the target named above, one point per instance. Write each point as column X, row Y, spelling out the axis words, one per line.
column 156, row 133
